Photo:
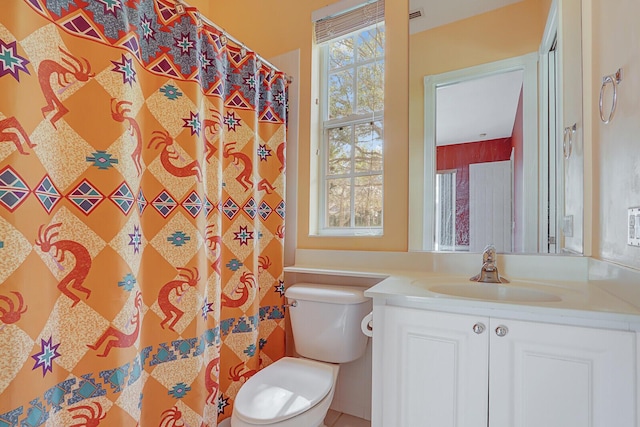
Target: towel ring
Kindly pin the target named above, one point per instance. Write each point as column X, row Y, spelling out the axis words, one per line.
column 567, row 140
column 614, row 80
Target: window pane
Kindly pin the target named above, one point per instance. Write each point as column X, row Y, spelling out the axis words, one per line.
column 371, row 87
column 370, row 44
column 339, row 202
column 340, row 94
column 339, row 150
column 445, row 211
column 368, row 155
column 368, row 201
column 341, row 53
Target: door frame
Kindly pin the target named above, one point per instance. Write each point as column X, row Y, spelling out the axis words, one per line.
column 529, row 64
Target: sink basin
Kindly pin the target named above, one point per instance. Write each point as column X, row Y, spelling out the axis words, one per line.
column 494, row 292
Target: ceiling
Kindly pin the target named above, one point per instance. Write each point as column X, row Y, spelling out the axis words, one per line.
column 479, row 109
column 438, row 12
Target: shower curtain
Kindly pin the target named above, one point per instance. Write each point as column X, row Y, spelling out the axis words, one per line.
column 141, row 215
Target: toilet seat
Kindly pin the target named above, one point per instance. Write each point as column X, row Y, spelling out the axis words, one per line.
column 283, row 390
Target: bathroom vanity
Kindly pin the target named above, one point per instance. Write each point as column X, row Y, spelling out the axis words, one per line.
column 521, row 359
column 558, row 346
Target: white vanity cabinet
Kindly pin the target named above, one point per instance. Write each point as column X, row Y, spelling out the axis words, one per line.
column 436, row 369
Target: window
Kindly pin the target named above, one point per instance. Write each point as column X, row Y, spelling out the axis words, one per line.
column 352, row 106
column 446, row 211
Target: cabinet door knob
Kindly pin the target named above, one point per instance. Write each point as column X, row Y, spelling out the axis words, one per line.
column 502, row 331
column 478, row 328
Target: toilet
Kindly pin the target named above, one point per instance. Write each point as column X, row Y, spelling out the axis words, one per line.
column 297, row 391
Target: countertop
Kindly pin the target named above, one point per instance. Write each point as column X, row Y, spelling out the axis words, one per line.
column 582, row 302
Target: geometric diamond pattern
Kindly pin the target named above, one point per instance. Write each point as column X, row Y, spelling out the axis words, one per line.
column 192, row 204
column 230, row 208
column 280, row 209
column 85, row 197
column 164, row 203
column 123, row 198
column 208, row 207
column 264, row 210
column 47, row 193
column 250, row 208
column 13, row 190
column 142, row 202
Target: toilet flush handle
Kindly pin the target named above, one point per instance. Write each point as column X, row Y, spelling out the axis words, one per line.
column 293, row 303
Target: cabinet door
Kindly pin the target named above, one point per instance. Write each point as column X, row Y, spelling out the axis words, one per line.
column 434, row 369
column 560, row 376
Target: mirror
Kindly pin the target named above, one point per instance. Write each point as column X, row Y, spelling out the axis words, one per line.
column 453, row 206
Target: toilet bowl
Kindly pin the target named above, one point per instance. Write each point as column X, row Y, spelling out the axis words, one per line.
column 292, row 392
column 297, row 392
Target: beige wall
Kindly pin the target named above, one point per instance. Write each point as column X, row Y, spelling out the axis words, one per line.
column 504, row 33
column 285, row 25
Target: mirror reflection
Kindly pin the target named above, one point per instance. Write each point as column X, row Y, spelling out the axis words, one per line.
column 475, row 190
column 484, row 162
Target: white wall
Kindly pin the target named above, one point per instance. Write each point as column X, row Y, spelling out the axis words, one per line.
column 616, row 163
column 289, row 63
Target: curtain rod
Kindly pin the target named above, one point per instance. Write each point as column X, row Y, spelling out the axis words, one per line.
column 229, row 36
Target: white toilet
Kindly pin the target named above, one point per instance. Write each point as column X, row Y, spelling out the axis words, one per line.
column 297, row 392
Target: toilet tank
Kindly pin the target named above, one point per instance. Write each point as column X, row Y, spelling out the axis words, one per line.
column 326, row 319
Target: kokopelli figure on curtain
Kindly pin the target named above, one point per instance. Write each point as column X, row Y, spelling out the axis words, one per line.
column 119, row 113
column 12, row 313
column 12, row 131
column 87, row 415
column 214, row 241
column 241, row 373
column 61, row 248
column 169, row 153
column 65, row 71
column 115, row 338
column 280, row 154
column 172, row 314
column 172, row 418
column 245, row 177
column 213, row 125
column 210, row 382
column 247, row 280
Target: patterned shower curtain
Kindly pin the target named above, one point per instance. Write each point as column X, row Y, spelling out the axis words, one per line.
column 141, row 215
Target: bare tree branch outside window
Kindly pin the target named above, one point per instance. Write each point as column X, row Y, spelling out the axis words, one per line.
column 353, row 130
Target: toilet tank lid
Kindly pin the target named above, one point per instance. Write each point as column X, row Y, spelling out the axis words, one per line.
column 336, row 294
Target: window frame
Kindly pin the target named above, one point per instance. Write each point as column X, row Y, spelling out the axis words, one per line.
column 353, row 120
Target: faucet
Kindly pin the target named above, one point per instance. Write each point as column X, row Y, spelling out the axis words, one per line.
column 489, row 271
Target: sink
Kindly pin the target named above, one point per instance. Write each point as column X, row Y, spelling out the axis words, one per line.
column 493, row 292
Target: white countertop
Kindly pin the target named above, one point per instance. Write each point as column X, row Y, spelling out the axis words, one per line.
column 583, row 302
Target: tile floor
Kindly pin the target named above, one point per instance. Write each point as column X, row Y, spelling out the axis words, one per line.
column 337, row 419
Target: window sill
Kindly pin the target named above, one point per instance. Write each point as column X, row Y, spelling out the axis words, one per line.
column 369, row 232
